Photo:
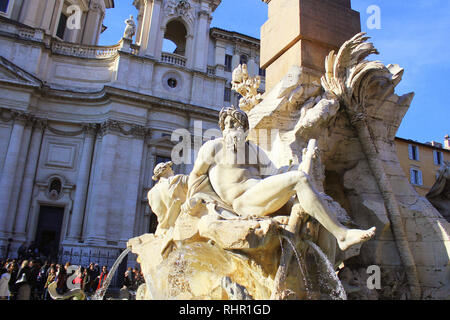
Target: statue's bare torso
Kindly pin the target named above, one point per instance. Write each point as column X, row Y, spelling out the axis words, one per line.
column 230, row 180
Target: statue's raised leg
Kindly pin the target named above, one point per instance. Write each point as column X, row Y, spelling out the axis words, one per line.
column 268, row 195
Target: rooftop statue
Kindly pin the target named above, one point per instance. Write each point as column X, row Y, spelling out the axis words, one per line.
column 130, row 29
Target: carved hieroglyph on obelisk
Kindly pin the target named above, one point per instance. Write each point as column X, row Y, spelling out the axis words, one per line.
column 302, row 33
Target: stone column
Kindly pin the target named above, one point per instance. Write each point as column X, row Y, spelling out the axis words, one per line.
column 18, row 179
column 93, row 24
column 151, row 159
column 28, row 181
column 252, row 68
column 235, row 61
column 30, row 12
column 9, row 170
column 201, row 48
column 190, row 53
column 220, row 58
column 142, row 40
column 47, row 19
column 154, row 28
column 140, row 6
column 133, row 191
column 98, row 214
column 79, row 203
column 151, row 164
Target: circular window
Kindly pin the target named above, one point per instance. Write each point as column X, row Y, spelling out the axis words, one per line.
column 172, row 82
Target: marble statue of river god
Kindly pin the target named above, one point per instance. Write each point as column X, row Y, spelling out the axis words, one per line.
column 220, row 227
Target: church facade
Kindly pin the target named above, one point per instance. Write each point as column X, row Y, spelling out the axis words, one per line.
column 82, row 126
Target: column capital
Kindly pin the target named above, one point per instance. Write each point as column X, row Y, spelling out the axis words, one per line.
column 114, row 126
column 90, row 129
column 22, row 118
column 97, row 6
column 108, row 127
column 40, row 123
column 140, row 131
column 204, row 13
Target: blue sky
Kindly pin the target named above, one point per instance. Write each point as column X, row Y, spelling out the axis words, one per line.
column 414, row 34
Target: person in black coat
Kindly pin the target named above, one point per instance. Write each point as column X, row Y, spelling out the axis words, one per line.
column 21, row 252
column 128, row 281
column 33, row 280
column 12, row 281
column 22, row 282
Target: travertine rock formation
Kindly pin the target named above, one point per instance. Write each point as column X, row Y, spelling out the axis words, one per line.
column 439, row 194
column 355, row 118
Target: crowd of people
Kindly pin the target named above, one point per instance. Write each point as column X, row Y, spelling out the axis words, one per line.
column 27, row 278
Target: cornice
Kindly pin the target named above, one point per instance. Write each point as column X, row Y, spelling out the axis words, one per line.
column 234, row 37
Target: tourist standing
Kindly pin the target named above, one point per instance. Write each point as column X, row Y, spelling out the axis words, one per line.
column 22, row 282
column 86, row 281
column 4, row 283
column 33, row 280
column 91, row 277
column 50, row 278
column 102, row 277
column 78, row 281
column 12, row 282
column 61, row 279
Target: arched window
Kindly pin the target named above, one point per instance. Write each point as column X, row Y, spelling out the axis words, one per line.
column 169, row 46
column 175, row 38
column 54, row 188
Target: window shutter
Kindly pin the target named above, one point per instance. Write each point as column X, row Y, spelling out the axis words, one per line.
column 441, row 158
column 417, row 154
column 411, row 176
column 435, row 157
column 420, row 182
column 410, row 151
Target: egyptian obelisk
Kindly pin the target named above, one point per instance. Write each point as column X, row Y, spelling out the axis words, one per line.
column 302, row 33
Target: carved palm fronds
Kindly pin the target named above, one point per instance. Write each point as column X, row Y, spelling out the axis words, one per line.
column 348, row 74
column 353, row 80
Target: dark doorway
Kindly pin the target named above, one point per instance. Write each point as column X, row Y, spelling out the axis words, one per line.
column 48, row 231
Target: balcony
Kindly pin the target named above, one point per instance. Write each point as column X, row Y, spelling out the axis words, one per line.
column 81, row 51
column 172, row 58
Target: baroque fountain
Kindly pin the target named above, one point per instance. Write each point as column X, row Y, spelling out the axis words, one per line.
column 304, row 213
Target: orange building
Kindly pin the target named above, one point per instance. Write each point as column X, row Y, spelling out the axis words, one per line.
column 421, row 161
